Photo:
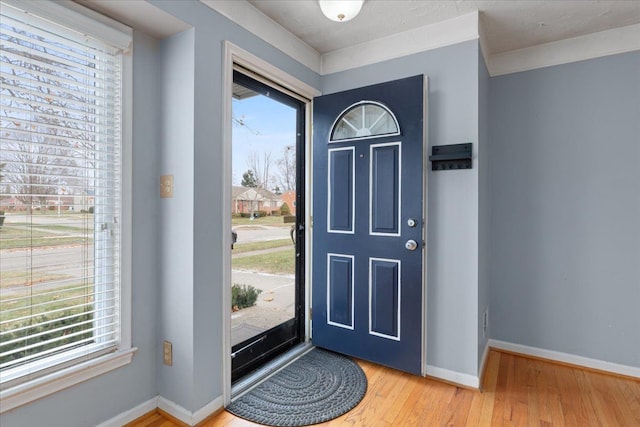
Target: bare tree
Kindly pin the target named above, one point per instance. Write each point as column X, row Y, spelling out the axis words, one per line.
column 35, row 173
column 47, row 143
column 287, row 169
column 261, row 168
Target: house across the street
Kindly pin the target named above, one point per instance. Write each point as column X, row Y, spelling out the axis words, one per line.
column 253, row 199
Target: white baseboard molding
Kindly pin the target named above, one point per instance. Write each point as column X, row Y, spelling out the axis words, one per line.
column 132, row 414
column 186, row 416
column 571, row 359
column 453, row 376
column 171, row 408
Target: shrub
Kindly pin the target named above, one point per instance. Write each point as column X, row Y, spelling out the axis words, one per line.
column 1, row 218
column 259, row 214
column 243, row 296
column 285, row 210
column 57, row 328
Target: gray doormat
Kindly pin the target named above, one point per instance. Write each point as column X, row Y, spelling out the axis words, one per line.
column 318, row 387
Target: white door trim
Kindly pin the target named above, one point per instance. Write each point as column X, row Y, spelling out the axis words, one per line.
column 236, row 55
column 425, row 216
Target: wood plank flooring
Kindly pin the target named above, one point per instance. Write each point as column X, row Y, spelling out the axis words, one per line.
column 518, row 391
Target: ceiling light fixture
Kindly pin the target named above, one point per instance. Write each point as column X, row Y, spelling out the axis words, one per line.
column 340, row 10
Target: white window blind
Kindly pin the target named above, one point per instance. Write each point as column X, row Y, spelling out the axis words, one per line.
column 60, row 191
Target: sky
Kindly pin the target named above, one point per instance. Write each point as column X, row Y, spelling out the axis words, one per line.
column 267, row 125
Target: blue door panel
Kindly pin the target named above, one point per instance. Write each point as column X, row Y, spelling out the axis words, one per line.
column 340, row 290
column 385, row 298
column 366, row 287
column 385, row 185
column 341, row 190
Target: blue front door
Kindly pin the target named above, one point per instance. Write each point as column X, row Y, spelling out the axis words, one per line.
column 367, row 295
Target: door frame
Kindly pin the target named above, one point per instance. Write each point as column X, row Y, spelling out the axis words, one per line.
column 425, row 216
column 297, row 89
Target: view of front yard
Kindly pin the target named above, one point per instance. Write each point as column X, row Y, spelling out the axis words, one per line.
column 280, row 262
column 23, row 235
column 41, row 292
column 274, row 220
column 43, row 255
column 41, row 295
column 263, row 258
column 256, row 246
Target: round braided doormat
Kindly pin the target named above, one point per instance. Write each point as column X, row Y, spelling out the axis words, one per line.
column 317, row 387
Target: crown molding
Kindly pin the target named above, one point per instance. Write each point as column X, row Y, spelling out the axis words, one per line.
column 460, row 29
column 484, row 43
column 595, row 45
column 259, row 24
column 452, row 31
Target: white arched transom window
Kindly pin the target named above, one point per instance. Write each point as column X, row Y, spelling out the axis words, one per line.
column 364, row 119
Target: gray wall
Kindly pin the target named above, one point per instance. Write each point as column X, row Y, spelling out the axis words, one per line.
column 200, row 249
column 104, row 397
column 484, row 206
column 452, row 243
column 176, row 217
column 566, row 208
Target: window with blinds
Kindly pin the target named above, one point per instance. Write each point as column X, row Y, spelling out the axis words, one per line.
column 60, row 196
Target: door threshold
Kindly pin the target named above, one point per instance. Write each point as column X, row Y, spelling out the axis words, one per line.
column 251, row 380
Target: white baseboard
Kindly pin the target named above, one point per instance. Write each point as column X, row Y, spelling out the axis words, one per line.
column 132, row 414
column 171, row 408
column 208, row 409
column 186, row 416
column 572, row 359
column 453, row 376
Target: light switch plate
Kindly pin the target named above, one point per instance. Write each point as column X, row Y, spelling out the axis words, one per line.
column 167, row 353
column 166, row 186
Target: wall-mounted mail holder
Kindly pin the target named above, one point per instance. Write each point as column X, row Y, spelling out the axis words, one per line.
column 450, row 157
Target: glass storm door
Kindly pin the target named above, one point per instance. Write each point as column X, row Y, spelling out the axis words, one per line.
column 368, row 222
column 267, row 205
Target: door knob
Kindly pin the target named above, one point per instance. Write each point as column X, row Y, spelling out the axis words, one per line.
column 411, row 245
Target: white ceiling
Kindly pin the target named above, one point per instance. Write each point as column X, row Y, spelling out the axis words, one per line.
column 508, row 24
column 516, row 35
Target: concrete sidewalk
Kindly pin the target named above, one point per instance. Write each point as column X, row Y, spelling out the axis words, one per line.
column 274, row 306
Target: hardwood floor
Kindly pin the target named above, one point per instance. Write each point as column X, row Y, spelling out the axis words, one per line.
column 518, row 391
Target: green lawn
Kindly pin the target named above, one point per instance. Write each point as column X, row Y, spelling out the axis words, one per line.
column 239, row 248
column 54, row 317
column 18, row 278
column 63, row 298
column 16, row 237
column 55, row 227
column 280, row 262
column 265, row 220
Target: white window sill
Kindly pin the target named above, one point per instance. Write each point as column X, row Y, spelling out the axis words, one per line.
column 52, row 383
